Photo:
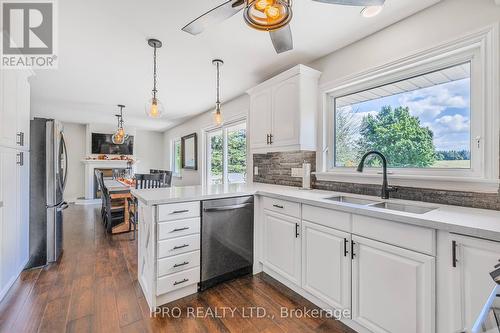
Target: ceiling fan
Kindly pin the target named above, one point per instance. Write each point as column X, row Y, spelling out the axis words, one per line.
column 273, row 16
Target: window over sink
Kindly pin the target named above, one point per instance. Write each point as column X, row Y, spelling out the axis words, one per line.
column 419, row 122
column 434, row 115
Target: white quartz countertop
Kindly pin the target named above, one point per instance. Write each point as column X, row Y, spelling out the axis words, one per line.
column 469, row 221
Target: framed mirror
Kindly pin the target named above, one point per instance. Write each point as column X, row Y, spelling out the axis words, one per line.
column 189, row 152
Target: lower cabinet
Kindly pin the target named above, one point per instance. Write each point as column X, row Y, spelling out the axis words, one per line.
column 281, row 250
column 326, row 264
column 472, row 261
column 14, row 218
column 392, row 288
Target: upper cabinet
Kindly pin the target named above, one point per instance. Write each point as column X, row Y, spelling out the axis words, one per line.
column 283, row 111
column 14, row 109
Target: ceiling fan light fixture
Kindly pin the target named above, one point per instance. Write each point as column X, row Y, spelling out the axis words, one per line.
column 371, row 11
column 267, row 15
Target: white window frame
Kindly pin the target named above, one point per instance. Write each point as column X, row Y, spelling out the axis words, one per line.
column 223, row 127
column 175, row 173
column 481, row 49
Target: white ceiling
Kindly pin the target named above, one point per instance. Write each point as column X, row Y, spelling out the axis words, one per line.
column 104, row 58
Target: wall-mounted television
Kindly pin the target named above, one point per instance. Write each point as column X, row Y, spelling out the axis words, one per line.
column 103, row 144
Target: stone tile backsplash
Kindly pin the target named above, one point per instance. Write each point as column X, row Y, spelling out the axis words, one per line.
column 275, row 168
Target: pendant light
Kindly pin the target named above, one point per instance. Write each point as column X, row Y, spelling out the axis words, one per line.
column 218, row 113
column 119, row 137
column 154, row 108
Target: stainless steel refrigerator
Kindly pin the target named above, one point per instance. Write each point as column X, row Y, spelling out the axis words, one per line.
column 48, row 174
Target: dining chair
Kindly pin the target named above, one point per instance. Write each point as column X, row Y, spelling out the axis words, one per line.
column 114, row 211
column 100, row 184
column 167, row 176
column 142, row 181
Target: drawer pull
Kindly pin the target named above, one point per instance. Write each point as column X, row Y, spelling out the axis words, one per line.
column 183, row 264
column 278, row 206
column 180, row 246
column 179, row 282
column 180, row 211
column 180, row 229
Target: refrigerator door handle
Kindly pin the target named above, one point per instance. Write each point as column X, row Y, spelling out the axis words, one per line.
column 62, row 206
column 65, row 162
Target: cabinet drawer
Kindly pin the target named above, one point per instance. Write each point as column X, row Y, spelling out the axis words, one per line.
column 178, row 228
column 174, row 246
column 282, row 206
column 178, row 263
column 403, row 235
column 177, row 211
column 327, row 217
column 178, row 280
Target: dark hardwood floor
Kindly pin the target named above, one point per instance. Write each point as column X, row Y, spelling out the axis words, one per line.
column 93, row 288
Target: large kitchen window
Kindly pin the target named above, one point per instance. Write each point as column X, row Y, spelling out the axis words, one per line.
column 434, row 115
column 226, row 153
column 420, row 122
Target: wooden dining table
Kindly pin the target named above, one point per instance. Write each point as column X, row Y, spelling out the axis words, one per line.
column 120, row 190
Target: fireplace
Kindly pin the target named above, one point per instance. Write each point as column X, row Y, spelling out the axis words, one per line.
column 91, row 191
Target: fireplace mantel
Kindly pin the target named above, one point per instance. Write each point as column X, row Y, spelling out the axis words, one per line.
column 91, row 165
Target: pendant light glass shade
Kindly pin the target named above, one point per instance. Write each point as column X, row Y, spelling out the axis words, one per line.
column 218, row 120
column 267, row 15
column 154, row 108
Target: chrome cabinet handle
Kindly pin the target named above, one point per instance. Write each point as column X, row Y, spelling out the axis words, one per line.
column 180, row 246
column 182, row 264
column 180, row 211
column 179, row 282
column 180, row 229
column 278, row 206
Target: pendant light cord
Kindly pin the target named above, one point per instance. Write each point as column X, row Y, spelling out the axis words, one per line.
column 154, row 73
column 218, row 83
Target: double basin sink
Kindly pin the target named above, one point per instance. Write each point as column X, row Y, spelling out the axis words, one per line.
column 384, row 205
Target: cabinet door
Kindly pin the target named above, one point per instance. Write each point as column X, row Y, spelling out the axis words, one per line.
column 392, row 288
column 282, row 245
column 260, row 118
column 286, row 113
column 471, row 282
column 9, row 229
column 23, row 109
column 326, row 264
column 8, row 106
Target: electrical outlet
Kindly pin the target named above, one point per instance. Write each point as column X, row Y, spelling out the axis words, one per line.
column 256, row 171
column 297, row 172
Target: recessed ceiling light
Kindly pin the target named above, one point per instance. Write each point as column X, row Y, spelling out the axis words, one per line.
column 371, row 11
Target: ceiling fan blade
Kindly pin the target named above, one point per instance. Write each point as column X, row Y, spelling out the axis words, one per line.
column 282, row 39
column 214, row 16
column 354, row 2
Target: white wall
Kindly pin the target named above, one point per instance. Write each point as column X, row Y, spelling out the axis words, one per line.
column 74, row 135
column 149, row 150
column 445, row 21
column 233, row 109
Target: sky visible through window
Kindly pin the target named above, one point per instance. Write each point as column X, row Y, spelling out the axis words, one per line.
column 437, row 114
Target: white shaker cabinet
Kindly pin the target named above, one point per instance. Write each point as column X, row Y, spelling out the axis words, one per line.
column 281, row 248
column 326, row 264
column 283, row 111
column 392, row 288
column 14, row 219
column 14, row 109
column 472, row 261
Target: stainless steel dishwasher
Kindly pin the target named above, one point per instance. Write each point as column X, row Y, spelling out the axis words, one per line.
column 226, row 240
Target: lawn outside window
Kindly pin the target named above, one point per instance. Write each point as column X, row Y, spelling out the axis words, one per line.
column 432, row 115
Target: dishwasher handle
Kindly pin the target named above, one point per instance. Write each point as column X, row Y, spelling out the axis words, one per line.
column 224, row 208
